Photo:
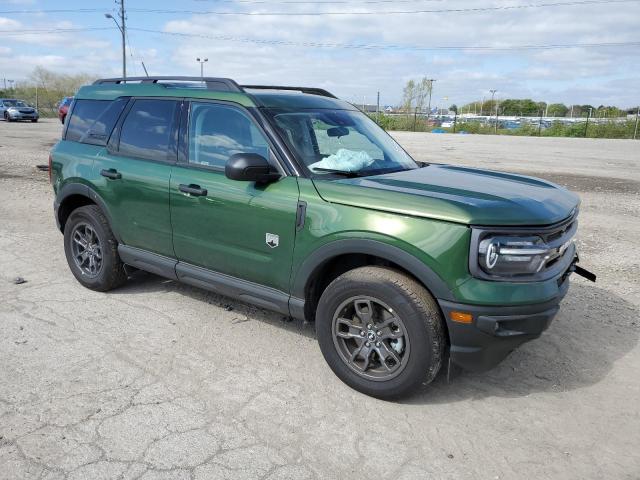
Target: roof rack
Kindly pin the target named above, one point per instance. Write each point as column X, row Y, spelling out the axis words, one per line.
column 212, row 83
column 310, row 90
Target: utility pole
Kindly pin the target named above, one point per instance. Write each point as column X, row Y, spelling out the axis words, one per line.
column 482, row 106
column 586, row 125
column 378, row 108
column 202, row 62
column 124, row 40
column 635, row 131
column 431, row 80
column 496, row 127
column 571, row 114
column 123, row 32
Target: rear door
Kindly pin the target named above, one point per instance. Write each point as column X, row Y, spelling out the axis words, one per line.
column 241, row 229
column 132, row 173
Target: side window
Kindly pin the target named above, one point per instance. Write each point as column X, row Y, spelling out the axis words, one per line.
column 146, row 132
column 218, row 131
column 92, row 120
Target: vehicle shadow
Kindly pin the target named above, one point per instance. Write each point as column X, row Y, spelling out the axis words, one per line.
column 141, row 282
column 593, row 330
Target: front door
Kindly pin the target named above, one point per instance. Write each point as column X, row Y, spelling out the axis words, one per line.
column 241, row 229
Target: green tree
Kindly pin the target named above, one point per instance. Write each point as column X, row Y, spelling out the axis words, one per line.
column 557, row 110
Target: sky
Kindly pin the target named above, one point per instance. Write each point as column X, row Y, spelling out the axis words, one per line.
column 353, row 48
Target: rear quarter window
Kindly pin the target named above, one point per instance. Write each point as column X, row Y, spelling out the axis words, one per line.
column 92, row 121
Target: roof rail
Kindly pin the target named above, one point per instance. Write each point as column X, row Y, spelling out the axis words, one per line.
column 310, row 90
column 223, row 84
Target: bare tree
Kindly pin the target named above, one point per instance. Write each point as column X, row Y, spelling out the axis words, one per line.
column 415, row 94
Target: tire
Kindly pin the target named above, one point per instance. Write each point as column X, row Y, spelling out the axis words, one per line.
column 34, row 120
column 89, row 225
column 7, row 118
column 390, row 295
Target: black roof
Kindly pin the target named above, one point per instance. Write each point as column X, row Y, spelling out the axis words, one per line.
column 296, row 100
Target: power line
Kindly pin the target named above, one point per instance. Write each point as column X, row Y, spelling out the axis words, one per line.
column 52, row 30
column 359, row 46
column 231, row 38
column 310, row 2
column 393, row 12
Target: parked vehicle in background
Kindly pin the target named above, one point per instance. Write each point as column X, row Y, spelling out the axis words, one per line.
column 13, row 109
column 291, row 199
column 63, row 108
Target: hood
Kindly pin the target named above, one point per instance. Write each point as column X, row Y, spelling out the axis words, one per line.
column 457, row 194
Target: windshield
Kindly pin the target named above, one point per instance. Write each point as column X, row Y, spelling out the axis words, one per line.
column 14, row 103
column 335, row 142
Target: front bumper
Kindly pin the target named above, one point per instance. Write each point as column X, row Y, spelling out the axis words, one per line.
column 497, row 331
column 23, row 116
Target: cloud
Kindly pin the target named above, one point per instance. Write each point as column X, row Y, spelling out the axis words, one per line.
column 251, row 53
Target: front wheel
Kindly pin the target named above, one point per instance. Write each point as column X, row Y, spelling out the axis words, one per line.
column 34, row 120
column 380, row 331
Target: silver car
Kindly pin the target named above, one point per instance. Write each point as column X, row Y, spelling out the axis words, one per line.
column 13, row 109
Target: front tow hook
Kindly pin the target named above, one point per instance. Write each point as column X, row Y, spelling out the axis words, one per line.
column 584, row 272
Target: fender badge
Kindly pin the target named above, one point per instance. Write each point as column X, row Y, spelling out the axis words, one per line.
column 272, row 240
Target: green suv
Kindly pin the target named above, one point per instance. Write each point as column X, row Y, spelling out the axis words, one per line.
column 295, row 201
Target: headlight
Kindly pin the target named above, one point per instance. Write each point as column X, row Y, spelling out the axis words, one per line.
column 13, row 109
column 526, row 254
column 512, row 255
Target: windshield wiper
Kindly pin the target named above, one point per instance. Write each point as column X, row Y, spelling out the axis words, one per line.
column 346, row 173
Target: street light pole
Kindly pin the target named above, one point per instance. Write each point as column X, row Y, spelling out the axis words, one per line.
column 493, row 93
column 122, row 27
column 202, row 62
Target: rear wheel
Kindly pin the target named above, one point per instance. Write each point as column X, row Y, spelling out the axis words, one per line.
column 92, row 250
column 380, row 331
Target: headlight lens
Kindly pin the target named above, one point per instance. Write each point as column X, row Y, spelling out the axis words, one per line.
column 512, row 255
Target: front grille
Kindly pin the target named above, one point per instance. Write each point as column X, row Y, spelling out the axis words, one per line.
column 560, row 241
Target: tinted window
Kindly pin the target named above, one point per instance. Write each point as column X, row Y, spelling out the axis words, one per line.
column 146, row 132
column 218, row 131
column 93, row 120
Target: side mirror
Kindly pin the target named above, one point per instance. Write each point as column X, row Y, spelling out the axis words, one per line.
column 250, row 167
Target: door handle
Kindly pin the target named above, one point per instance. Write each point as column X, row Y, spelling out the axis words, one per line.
column 193, row 189
column 112, row 173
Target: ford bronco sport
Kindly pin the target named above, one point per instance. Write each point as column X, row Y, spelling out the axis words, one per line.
column 295, row 201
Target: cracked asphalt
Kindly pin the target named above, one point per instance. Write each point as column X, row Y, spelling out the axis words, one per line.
column 158, row 380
